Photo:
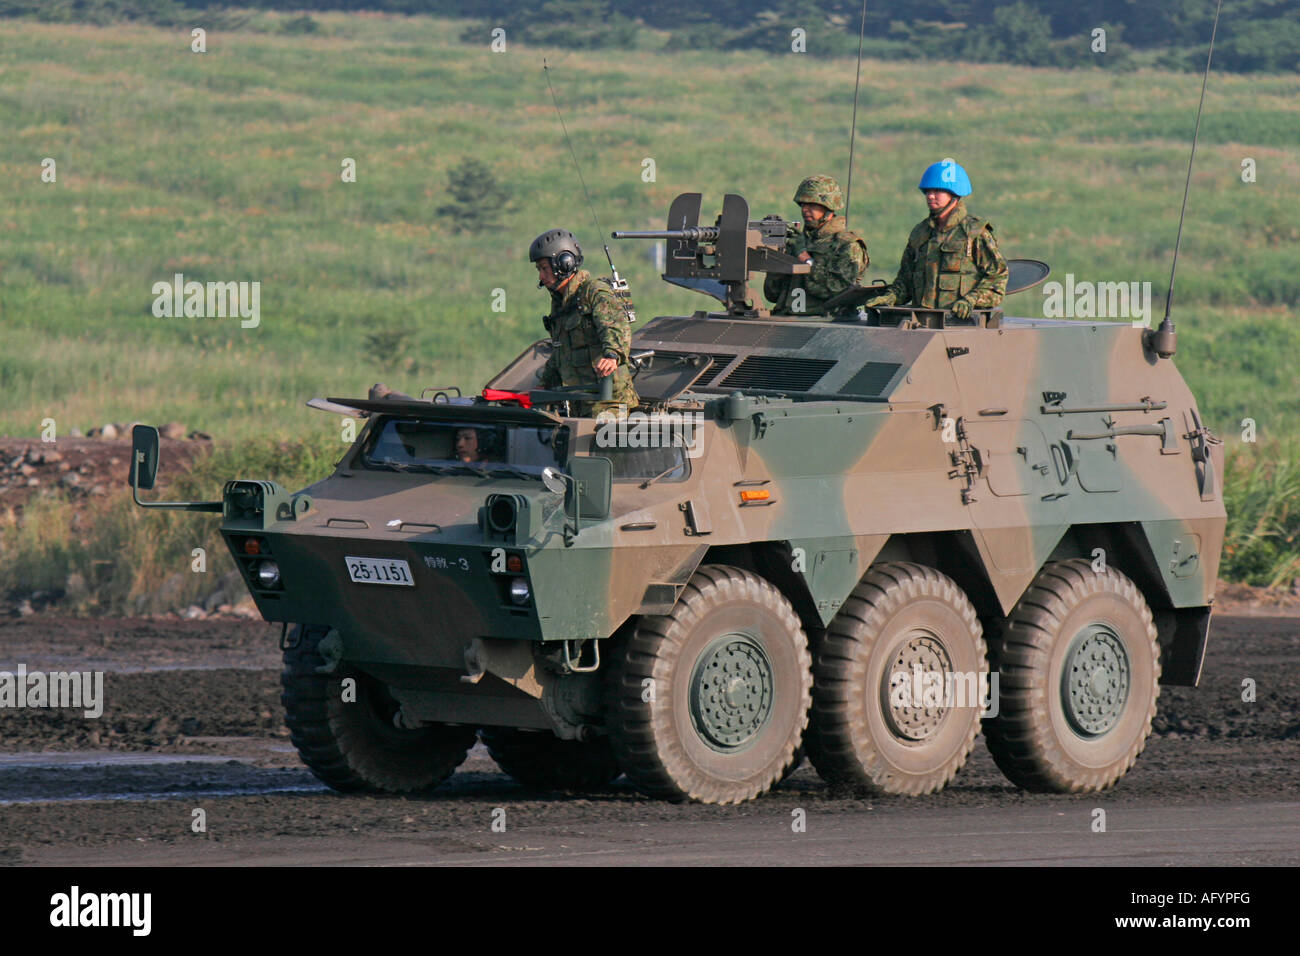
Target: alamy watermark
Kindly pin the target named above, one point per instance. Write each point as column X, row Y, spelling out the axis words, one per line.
column 1098, row 300
column 55, row 689
column 75, row 909
column 657, row 430
column 211, row 300
column 922, row 688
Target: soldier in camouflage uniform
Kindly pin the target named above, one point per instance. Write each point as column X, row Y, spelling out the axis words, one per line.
column 592, row 334
column 838, row 256
column 951, row 260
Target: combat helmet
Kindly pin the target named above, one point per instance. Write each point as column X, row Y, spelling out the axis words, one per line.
column 821, row 189
column 561, row 247
column 946, row 174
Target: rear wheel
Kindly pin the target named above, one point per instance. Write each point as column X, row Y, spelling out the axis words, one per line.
column 542, row 761
column 1079, row 669
column 709, row 702
column 354, row 744
column 898, row 681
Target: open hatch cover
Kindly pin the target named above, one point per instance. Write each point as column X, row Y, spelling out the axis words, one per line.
column 448, row 412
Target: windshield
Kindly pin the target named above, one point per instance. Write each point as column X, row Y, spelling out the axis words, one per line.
column 452, row 448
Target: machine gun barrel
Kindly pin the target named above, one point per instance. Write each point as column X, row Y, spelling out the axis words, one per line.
column 691, row 234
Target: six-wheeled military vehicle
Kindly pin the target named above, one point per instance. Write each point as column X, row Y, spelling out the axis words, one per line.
column 862, row 536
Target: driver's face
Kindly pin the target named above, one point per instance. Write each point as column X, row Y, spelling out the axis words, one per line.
column 467, row 444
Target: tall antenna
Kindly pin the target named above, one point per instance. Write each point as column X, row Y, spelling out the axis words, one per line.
column 853, row 129
column 620, row 284
column 1164, row 342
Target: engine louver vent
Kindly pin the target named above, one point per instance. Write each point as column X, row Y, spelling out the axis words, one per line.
column 731, row 333
column 777, row 373
column 720, row 362
column 871, row 380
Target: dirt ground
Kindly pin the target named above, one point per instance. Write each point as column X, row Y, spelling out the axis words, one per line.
column 192, row 720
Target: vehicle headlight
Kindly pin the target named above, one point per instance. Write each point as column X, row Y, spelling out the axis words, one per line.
column 268, row 574
column 519, row 591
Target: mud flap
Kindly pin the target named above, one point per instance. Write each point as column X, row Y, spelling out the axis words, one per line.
column 1184, row 634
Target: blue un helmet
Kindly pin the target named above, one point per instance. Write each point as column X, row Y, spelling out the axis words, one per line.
column 946, row 174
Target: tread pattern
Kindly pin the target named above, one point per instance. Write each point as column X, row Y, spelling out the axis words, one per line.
column 838, row 740
column 1021, row 738
column 340, row 743
column 644, row 737
column 542, row 761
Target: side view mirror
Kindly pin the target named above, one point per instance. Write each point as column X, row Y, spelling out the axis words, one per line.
column 593, row 480
column 144, row 457
column 588, row 484
column 144, row 470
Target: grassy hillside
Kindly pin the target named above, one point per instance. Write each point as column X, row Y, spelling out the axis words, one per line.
column 226, row 166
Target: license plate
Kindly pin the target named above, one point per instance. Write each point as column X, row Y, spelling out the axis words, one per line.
column 379, row 571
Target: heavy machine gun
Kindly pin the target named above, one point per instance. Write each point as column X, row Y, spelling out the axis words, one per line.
column 717, row 260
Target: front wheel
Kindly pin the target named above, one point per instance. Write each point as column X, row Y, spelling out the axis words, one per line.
column 1080, row 673
column 709, row 702
column 345, row 732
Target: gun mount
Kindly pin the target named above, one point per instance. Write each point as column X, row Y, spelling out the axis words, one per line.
column 717, row 260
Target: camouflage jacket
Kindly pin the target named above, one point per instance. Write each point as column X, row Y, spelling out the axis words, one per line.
column 839, row 261
column 588, row 324
column 959, row 261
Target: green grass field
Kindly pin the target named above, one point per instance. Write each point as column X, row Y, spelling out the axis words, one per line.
column 225, row 166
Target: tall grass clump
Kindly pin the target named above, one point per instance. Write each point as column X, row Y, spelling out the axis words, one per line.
column 1262, row 495
column 118, row 558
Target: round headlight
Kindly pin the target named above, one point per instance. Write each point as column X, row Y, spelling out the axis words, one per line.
column 519, row 591
column 268, row 574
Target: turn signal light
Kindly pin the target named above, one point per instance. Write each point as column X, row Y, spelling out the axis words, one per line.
column 761, row 495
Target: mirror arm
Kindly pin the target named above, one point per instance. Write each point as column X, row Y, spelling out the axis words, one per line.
column 213, row 506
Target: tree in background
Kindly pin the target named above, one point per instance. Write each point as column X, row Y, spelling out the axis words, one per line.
column 477, row 199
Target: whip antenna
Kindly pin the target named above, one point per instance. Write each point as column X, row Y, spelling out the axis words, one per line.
column 621, row 290
column 853, row 128
column 1164, row 341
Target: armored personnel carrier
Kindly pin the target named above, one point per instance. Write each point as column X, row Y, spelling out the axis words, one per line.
column 861, row 536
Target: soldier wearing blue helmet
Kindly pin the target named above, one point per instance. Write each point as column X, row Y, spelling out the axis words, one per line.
column 951, row 260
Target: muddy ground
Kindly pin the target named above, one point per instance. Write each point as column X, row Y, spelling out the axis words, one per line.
column 192, row 720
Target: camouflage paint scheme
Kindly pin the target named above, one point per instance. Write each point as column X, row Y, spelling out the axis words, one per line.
column 962, row 449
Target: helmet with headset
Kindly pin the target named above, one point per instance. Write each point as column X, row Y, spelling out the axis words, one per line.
column 561, row 247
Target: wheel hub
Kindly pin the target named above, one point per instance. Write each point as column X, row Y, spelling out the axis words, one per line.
column 1095, row 681
column 731, row 692
column 915, row 687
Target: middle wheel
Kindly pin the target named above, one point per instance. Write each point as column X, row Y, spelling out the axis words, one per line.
column 709, row 702
column 898, row 682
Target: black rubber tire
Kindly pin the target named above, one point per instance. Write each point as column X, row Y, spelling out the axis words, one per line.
column 1031, row 739
column 856, row 736
column 657, row 741
column 540, row 760
column 354, row 746
column 796, row 762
